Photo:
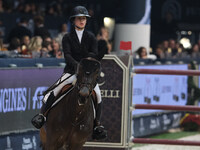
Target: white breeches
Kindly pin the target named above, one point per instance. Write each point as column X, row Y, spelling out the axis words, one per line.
column 72, row 79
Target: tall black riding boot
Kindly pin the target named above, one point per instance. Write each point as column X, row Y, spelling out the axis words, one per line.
column 39, row 119
column 99, row 131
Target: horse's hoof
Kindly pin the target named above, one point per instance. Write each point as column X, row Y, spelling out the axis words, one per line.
column 38, row 121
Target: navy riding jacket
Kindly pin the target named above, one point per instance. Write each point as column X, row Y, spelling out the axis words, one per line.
column 74, row 51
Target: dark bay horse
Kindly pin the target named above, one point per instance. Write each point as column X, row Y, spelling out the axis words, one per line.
column 70, row 122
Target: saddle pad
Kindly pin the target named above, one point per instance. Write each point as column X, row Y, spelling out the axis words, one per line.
column 65, row 90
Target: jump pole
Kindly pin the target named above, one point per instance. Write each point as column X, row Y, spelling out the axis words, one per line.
column 167, row 72
column 166, row 107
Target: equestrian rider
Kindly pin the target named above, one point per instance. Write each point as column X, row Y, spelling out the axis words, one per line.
column 77, row 44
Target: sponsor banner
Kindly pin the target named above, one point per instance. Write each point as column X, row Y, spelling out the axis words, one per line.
column 159, row 89
column 19, row 100
column 157, row 123
column 111, row 85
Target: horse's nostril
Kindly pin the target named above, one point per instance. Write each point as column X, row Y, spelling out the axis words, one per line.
column 84, row 92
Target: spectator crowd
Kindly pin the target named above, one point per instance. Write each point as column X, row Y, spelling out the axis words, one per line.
column 23, row 43
column 169, row 49
column 30, row 38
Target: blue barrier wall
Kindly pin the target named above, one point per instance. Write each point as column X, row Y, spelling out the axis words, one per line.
column 23, row 62
column 19, row 103
column 24, row 141
column 27, row 79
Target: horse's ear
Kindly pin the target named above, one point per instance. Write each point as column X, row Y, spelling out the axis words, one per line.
column 90, row 64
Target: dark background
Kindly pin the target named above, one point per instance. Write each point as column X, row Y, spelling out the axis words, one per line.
column 186, row 14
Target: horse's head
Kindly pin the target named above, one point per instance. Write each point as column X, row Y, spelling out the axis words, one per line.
column 87, row 74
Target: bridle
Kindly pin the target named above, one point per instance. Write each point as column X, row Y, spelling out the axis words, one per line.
column 88, row 85
column 86, row 74
column 79, row 86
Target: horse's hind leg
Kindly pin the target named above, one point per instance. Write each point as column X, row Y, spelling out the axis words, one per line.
column 64, row 147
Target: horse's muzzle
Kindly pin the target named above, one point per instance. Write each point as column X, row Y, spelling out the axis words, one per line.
column 84, row 91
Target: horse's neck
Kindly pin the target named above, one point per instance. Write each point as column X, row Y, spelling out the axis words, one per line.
column 77, row 114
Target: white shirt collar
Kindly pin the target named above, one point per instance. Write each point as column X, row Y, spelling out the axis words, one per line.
column 79, row 34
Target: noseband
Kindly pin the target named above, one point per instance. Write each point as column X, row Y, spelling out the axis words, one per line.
column 87, row 85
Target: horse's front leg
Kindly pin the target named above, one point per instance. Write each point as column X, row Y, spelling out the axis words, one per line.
column 51, row 147
column 64, row 147
column 53, row 144
column 43, row 138
column 54, row 147
column 77, row 142
column 75, row 147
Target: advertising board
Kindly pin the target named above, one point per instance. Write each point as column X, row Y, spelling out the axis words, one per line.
column 159, row 89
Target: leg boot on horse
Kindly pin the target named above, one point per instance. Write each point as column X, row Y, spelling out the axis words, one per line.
column 99, row 131
column 39, row 120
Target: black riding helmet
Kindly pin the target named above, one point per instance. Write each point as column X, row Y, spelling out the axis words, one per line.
column 79, row 11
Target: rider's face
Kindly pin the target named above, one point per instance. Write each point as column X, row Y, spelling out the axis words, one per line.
column 80, row 22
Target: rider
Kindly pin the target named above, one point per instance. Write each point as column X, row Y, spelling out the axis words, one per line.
column 77, row 44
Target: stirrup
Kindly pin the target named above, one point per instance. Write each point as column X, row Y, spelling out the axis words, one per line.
column 38, row 120
column 45, row 118
column 99, row 127
column 99, row 133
